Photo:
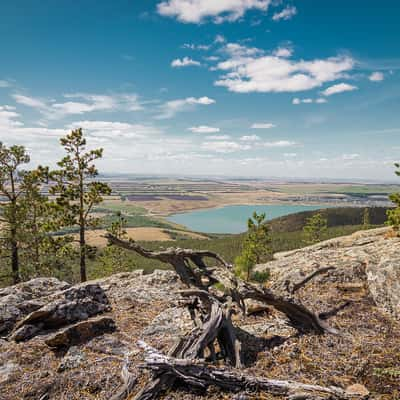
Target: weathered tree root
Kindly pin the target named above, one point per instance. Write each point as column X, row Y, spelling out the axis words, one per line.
column 199, row 375
column 191, row 268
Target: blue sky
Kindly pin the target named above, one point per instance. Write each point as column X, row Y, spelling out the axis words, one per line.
column 232, row 87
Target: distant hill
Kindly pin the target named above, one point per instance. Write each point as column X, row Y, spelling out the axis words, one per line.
column 337, row 216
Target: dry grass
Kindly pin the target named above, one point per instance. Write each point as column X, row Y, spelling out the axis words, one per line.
column 96, row 237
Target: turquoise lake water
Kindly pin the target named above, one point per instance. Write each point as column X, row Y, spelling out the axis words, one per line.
column 232, row 219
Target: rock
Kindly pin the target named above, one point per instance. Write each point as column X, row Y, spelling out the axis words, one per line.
column 384, row 282
column 81, row 332
column 19, row 300
column 173, row 322
column 367, row 259
column 73, row 359
column 74, row 304
column 7, row 370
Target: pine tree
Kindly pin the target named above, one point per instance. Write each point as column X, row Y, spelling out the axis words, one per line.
column 77, row 190
column 113, row 258
column 12, row 209
column 315, row 227
column 256, row 246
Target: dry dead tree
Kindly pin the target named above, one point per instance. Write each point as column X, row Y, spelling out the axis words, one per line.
column 200, row 375
column 211, row 315
column 191, row 268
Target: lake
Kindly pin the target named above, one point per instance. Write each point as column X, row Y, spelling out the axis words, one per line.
column 232, row 219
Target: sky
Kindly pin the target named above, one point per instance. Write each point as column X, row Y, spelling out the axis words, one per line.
column 249, row 88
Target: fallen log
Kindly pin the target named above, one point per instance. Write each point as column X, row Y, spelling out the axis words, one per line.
column 200, row 375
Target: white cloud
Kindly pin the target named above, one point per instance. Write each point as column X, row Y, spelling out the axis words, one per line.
column 283, row 52
column 219, row 39
column 224, row 146
column 250, row 70
column 263, row 125
column 203, row 129
column 376, row 77
column 184, row 62
column 192, row 46
column 29, row 101
column 250, row 138
column 338, row 88
column 115, row 129
column 4, row 84
column 279, row 143
column 297, row 101
column 285, row 14
column 352, row 156
column 218, row 137
column 172, row 107
column 290, row 155
column 87, row 103
column 197, row 11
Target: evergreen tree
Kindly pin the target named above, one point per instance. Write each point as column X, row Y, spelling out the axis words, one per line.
column 12, row 208
column 256, row 246
column 315, row 227
column 77, row 190
column 394, row 213
column 113, row 258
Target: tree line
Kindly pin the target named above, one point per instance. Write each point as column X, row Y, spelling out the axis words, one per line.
column 30, row 219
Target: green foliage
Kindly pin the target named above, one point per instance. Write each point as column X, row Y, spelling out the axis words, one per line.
column 260, row 277
column 255, row 247
column 114, row 259
column 315, row 228
column 76, row 190
column 394, row 213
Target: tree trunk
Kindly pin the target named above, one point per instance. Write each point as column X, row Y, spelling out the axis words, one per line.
column 14, row 258
column 82, row 248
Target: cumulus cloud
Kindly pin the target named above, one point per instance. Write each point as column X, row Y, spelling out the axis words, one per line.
column 283, row 52
column 338, row 88
column 251, row 70
column 376, row 77
column 287, row 13
column 172, row 107
column 197, row 11
column 262, row 125
column 279, row 143
column 224, row 146
column 250, row 138
column 184, row 62
column 204, row 129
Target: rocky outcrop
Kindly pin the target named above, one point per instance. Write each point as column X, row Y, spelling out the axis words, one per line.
column 369, row 258
column 19, row 300
column 83, row 336
column 74, row 304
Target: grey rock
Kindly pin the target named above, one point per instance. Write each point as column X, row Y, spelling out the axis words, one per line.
column 81, row 332
column 74, row 304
